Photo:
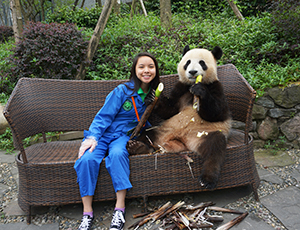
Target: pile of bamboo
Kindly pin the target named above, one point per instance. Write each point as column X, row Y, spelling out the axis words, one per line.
column 182, row 216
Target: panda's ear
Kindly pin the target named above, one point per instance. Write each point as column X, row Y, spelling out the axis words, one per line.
column 217, row 52
column 186, row 49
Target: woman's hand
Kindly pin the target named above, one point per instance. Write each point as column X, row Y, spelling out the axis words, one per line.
column 89, row 143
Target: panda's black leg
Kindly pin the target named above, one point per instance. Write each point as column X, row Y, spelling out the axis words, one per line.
column 212, row 151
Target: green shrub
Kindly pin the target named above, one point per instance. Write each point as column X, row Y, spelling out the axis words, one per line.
column 210, row 8
column 6, row 82
column 5, row 33
column 252, row 46
column 119, row 45
column 87, row 18
column 6, row 142
column 267, row 75
column 81, row 17
column 286, row 17
column 49, row 51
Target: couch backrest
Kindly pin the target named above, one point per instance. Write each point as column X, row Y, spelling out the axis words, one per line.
column 48, row 105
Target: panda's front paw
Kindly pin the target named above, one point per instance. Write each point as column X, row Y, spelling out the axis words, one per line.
column 135, row 147
column 198, row 89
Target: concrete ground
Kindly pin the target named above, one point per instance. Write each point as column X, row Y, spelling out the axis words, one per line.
column 283, row 203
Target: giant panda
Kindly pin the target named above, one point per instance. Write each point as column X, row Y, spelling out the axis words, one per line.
column 203, row 130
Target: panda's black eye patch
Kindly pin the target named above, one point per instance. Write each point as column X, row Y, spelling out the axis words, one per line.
column 186, row 64
column 202, row 63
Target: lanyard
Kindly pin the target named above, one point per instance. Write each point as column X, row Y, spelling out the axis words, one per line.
column 135, row 109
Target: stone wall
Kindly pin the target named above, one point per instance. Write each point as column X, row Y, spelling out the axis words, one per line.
column 276, row 118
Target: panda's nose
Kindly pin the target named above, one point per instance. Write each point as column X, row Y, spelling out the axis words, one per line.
column 193, row 72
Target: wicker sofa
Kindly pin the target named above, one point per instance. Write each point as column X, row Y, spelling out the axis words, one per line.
column 46, row 173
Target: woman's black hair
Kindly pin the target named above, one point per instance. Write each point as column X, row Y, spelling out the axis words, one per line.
column 137, row 82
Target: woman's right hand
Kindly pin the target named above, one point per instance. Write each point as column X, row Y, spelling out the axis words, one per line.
column 89, row 143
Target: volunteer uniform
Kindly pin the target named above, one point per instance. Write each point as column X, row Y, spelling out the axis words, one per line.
column 110, row 129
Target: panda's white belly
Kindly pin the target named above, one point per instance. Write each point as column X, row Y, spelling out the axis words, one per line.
column 189, row 123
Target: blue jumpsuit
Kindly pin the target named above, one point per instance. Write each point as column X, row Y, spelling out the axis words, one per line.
column 109, row 128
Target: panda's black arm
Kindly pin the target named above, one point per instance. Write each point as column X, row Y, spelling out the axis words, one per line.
column 167, row 107
column 213, row 104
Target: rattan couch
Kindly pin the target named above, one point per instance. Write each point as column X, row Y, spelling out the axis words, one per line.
column 46, row 173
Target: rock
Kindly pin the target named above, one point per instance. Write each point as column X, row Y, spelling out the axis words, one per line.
column 290, row 128
column 3, row 121
column 258, row 112
column 268, row 129
column 265, row 102
column 297, row 107
column 238, row 125
column 278, row 112
column 269, row 176
column 258, row 144
column 285, row 97
column 272, row 158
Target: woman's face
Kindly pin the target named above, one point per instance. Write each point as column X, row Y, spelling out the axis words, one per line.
column 145, row 69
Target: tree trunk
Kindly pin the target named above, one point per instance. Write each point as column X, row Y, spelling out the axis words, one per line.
column 132, row 10
column 117, row 7
column 94, row 41
column 235, row 10
column 75, row 4
column 26, row 13
column 143, row 7
column 82, row 4
column 17, row 19
column 42, row 10
column 98, row 2
column 165, row 13
column 4, row 15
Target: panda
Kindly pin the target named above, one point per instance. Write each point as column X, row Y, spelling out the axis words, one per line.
column 203, row 129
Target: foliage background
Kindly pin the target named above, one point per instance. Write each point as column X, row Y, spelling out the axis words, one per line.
column 262, row 46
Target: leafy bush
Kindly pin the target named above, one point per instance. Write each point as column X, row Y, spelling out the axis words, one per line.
column 249, row 45
column 210, row 8
column 49, row 51
column 253, row 45
column 286, row 17
column 6, row 82
column 5, row 33
column 6, row 142
column 81, row 17
column 118, row 46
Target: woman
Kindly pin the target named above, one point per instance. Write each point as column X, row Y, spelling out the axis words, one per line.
column 109, row 133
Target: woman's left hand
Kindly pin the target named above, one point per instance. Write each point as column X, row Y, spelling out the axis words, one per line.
column 89, row 143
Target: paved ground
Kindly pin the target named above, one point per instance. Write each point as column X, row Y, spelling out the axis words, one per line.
column 279, row 205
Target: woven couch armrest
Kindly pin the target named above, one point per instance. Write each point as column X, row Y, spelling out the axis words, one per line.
column 240, row 95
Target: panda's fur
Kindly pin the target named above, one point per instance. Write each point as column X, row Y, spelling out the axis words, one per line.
column 205, row 131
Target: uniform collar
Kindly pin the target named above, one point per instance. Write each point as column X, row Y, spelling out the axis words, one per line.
column 142, row 94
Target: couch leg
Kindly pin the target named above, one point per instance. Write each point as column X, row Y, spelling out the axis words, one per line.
column 145, row 199
column 254, row 189
column 29, row 215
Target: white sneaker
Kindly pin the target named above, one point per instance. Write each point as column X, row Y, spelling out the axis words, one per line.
column 86, row 222
column 118, row 220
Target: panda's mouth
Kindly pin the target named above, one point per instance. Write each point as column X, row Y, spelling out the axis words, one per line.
column 192, row 78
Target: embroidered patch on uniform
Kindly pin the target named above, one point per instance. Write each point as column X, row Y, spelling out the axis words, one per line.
column 127, row 105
